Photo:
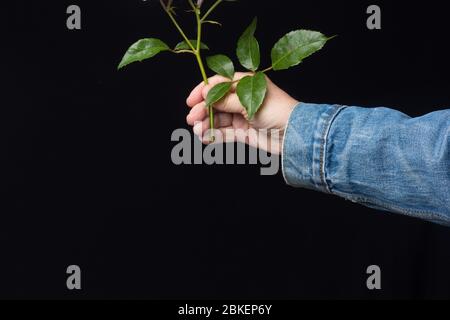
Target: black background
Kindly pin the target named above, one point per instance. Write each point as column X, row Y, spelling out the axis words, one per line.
column 87, row 177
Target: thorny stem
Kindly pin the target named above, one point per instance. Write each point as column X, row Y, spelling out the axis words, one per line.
column 195, row 50
column 180, row 30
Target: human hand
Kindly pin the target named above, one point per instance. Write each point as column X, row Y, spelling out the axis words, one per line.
column 265, row 130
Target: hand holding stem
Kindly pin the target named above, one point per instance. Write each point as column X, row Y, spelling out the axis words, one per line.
column 251, row 89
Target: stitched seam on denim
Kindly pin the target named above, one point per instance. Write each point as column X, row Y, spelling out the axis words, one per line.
column 408, row 212
column 324, row 145
column 284, row 143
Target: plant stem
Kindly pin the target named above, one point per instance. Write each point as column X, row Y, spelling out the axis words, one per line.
column 210, row 108
column 196, row 51
column 180, row 30
column 199, row 29
column 202, row 67
column 213, row 7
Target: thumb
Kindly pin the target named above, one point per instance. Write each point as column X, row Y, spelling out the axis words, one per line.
column 230, row 104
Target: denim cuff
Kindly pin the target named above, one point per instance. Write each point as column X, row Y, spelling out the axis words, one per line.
column 305, row 144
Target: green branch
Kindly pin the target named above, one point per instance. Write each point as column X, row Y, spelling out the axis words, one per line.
column 288, row 52
column 213, row 7
column 201, row 64
column 180, row 30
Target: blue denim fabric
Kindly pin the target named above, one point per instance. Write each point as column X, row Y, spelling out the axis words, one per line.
column 380, row 158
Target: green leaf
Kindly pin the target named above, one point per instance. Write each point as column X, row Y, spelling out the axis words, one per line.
column 184, row 45
column 222, row 65
column 294, row 47
column 217, row 93
column 143, row 49
column 248, row 48
column 251, row 91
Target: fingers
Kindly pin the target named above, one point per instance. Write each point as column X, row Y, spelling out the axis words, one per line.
column 227, row 128
column 196, row 95
column 198, row 113
column 221, row 135
column 229, row 104
column 221, row 120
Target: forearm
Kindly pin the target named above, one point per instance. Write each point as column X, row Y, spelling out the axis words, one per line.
column 377, row 157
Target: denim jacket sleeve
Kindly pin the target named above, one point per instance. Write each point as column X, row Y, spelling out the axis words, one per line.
column 380, row 158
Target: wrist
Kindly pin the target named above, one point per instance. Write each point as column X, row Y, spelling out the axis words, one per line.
column 291, row 105
column 294, row 103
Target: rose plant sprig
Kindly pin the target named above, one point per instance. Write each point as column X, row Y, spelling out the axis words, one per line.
column 288, row 52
